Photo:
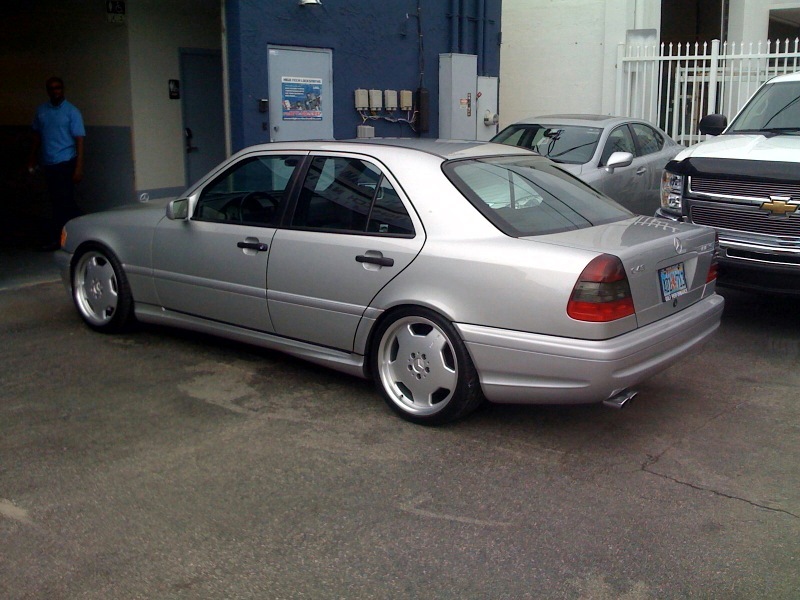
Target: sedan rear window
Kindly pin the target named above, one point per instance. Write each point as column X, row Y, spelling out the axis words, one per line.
column 525, row 196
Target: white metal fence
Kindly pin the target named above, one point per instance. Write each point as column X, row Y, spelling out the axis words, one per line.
column 675, row 85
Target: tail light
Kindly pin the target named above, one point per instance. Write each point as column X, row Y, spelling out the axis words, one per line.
column 713, row 268
column 602, row 292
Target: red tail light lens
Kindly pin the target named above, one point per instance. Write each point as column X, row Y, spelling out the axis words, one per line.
column 602, row 292
column 713, row 268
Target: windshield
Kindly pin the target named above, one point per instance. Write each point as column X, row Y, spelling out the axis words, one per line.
column 561, row 143
column 525, row 196
column 775, row 106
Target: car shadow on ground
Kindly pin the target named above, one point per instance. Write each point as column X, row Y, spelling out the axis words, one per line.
column 752, row 309
column 658, row 397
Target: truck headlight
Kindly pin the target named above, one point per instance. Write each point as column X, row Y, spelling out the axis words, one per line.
column 671, row 191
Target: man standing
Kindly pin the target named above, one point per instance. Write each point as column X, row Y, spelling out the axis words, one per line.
column 58, row 134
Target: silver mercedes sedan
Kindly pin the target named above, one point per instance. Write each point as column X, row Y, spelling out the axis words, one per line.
column 448, row 272
column 619, row 156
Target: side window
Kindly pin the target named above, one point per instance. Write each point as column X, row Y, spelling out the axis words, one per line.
column 514, row 138
column 388, row 213
column 351, row 195
column 251, row 192
column 649, row 139
column 620, row 140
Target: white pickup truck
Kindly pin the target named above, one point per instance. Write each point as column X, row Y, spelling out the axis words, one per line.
column 746, row 184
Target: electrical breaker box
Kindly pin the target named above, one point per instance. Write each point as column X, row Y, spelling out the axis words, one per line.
column 458, row 114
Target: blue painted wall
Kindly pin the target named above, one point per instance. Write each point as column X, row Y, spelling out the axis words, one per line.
column 375, row 45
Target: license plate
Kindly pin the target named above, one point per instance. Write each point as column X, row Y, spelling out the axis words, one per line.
column 673, row 282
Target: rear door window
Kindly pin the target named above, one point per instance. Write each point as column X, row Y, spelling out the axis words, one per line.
column 347, row 194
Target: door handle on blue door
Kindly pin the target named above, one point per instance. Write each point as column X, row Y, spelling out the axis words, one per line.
column 257, row 246
column 375, row 260
column 189, row 135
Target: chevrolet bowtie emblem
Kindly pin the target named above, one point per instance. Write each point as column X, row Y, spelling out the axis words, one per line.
column 779, row 205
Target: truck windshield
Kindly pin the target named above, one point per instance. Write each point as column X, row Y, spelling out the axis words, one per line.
column 775, row 107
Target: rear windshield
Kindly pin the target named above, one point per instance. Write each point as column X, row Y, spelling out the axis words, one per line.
column 525, row 196
column 775, row 106
column 561, row 143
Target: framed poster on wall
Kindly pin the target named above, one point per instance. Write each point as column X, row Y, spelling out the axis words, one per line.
column 301, row 98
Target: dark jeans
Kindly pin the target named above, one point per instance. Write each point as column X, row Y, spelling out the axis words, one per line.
column 62, row 195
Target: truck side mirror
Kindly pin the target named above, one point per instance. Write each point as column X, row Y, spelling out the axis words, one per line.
column 713, row 124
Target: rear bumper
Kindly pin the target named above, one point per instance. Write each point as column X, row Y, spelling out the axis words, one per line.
column 526, row 368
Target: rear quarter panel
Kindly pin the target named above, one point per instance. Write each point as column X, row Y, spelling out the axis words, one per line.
column 506, row 283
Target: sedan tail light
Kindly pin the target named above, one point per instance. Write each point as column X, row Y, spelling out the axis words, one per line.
column 713, row 268
column 602, row 292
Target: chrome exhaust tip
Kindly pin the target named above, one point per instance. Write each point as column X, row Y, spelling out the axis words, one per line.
column 621, row 399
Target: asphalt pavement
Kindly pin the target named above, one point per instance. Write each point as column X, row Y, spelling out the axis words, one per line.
column 165, row 464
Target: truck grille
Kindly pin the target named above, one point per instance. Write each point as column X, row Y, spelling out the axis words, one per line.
column 743, row 189
column 744, row 218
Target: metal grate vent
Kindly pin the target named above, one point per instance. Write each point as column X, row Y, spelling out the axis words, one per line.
column 744, row 218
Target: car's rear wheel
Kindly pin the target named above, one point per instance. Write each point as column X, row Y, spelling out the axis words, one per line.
column 423, row 369
column 100, row 290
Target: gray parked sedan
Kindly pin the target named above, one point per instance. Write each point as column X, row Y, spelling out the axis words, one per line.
column 448, row 272
column 621, row 157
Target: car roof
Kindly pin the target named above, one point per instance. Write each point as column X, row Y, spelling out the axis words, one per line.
column 587, row 120
column 787, row 77
column 445, row 149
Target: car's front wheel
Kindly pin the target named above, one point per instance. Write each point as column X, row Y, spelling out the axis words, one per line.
column 100, row 290
column 423, row 369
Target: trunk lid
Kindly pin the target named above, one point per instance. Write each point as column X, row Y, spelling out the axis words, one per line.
column 666, row 263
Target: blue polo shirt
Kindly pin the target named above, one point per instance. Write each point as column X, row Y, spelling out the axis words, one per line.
column 58, row 126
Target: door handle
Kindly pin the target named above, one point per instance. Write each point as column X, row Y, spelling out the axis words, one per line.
column 641, row 170
column 383, row 261
column 257, row 246
column 189, row 135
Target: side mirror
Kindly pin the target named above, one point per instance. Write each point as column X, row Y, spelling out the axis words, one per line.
column 713, row 124
column 618, row 159
column 178, row 210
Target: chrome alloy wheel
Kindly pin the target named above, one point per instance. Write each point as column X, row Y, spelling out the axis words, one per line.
column 95, row 288
column 417, row 366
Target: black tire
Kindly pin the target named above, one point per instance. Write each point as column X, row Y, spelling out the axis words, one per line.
column 101, row 291
column 422, row 368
